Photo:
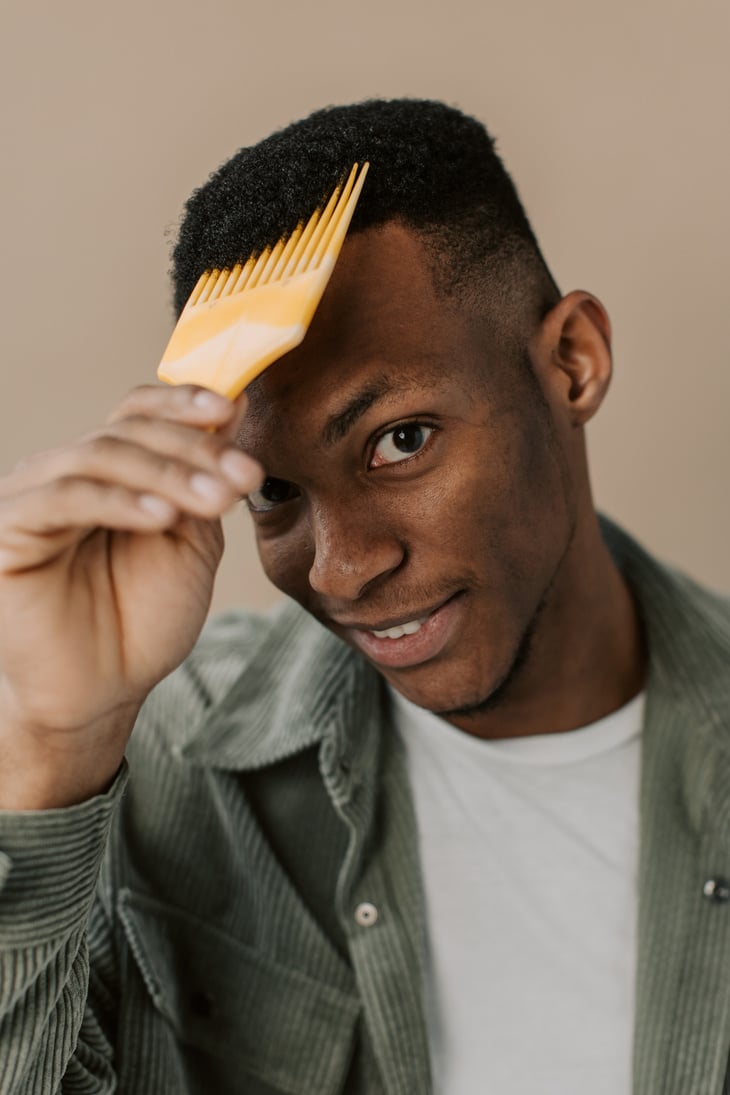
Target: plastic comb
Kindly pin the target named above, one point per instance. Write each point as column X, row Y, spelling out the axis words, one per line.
column 238, row 321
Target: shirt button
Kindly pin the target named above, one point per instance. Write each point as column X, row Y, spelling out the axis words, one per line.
column 717, row 889
column 366, row 914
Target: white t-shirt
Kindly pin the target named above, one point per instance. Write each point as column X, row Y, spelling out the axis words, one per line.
column 529, row 854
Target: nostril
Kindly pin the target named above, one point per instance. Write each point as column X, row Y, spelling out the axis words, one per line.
column 345, row 569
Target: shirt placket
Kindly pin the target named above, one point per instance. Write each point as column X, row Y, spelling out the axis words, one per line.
column 380, row 904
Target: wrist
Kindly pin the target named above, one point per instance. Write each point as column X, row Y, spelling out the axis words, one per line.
column 43, row 768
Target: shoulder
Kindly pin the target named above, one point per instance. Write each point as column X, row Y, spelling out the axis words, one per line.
column 687, row 625
column 668, row 595
column 708, row 607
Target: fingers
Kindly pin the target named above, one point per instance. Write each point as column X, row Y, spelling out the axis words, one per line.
column 162, row 485
column 183, row 403
column 166, row 454
column 196, row 470
column 196, row 473
column 38, row 524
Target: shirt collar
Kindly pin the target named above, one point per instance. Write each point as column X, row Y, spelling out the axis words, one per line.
column 300, row 687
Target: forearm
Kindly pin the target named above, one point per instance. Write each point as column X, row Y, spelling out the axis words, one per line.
column 49, row 865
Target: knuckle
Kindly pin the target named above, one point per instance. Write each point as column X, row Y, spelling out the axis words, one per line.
column 66, row 486
column 98, row 446
column 142, row 395
column 72, row 492
column 169, row 469
column 148, row 399
column 133, row 420
column 206, row 448
column 116, row 496
column 98, row 453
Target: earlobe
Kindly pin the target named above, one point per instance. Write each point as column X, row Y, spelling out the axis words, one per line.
column 574, row 342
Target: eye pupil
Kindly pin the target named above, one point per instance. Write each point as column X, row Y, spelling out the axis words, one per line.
column 400, row 443
column 408, row 438
column 275, row 490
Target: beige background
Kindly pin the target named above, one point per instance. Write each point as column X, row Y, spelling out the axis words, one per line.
column 613, row 118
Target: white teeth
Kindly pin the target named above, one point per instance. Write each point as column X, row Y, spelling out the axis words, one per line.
column 401, row 629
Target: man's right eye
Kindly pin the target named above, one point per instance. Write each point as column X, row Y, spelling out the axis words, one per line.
column 271, row 493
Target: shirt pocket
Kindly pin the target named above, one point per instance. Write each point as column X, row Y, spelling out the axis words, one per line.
column 235, row 1012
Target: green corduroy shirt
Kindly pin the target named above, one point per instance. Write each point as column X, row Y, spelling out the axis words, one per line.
column 244, row 913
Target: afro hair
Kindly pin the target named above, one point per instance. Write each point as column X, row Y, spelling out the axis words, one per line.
column 433, row 169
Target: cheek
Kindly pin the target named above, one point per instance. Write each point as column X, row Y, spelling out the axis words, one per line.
column 535, row 512
column 287, row 560
column 507, row 510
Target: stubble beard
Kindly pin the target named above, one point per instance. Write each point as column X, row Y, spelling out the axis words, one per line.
column 499, row 693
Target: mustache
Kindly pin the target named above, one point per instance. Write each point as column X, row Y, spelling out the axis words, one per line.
column 414, row 598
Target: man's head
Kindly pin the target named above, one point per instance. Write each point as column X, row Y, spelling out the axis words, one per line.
column 423, row 446
column 433, row 170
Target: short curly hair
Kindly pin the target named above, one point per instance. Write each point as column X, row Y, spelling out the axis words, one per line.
column 433, row 169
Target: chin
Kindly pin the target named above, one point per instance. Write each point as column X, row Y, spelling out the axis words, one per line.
column 453, row 691
column 445, row 698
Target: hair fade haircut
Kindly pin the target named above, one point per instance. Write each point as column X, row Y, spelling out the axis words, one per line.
column 433, row 170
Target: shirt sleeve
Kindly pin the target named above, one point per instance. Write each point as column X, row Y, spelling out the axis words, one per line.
column 54, row 1026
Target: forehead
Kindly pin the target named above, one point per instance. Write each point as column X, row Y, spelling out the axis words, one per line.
column 381, row 322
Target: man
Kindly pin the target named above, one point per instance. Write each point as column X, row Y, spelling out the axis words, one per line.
column 469, row 835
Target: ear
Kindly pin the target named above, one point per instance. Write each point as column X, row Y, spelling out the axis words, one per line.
column 572, row 352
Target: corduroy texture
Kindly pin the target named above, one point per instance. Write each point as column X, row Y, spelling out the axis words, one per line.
column 210, row 972
column 682, row 1039
column 48, row 871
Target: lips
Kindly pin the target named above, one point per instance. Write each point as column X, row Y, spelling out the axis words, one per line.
column 408, row 642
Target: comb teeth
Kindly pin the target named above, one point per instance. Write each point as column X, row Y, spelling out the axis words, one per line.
column 240, row 319
column 304, row 250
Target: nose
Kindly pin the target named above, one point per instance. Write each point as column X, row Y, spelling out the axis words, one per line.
column 351, row 552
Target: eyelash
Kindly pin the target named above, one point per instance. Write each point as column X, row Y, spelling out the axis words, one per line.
column 272, row 505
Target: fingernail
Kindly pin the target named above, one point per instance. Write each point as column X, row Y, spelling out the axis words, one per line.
column 208, row 401
column 156, row 507
column 240, row 469
column 209, row 488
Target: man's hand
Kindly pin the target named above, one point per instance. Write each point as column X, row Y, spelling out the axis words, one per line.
column 108, row 551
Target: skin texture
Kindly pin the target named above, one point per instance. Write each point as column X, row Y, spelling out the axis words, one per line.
column 492, row 514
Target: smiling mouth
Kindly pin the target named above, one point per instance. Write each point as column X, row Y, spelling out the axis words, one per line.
column 406, row 643
column 397, row 626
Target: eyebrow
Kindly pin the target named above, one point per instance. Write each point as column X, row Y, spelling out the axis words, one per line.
column 340, row 423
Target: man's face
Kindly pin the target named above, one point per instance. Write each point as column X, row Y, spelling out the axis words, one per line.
column 417, row 485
